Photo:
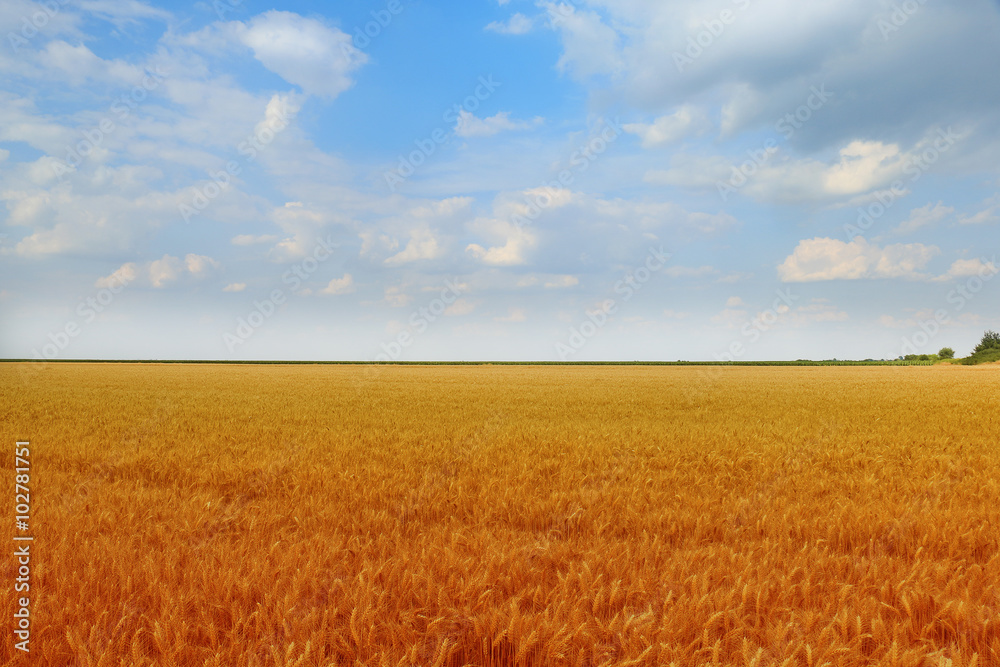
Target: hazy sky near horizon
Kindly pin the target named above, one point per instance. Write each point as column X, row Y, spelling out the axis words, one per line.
column 498, row 179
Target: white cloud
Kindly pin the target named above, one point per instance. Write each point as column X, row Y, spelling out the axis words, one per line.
column 589, row 46
column 665, row 130
column 343, row 285
column 277, row 114
column 966, row 268
column 513, row 251
column 470, row 126
column 305, row 225
column 734, row 301
column 517, row 241
column 821, row 259
column 234, row 287
column 518, row 24
column 164, row 270
column 422, row 245
column 303, row 51
column 87, row 216
column 861, row 167
column 124, row 275
column 200, row 266
column 986, row 216
column 925, row 216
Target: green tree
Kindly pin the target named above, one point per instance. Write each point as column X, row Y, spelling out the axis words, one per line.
column 991, row 341
column 946, row 353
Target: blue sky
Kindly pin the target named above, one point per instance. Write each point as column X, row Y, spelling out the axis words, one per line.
column 515, row 180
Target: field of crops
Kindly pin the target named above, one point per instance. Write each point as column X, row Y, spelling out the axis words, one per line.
column 508, row 515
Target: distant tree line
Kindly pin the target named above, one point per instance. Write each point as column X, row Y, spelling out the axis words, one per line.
column 988, row 350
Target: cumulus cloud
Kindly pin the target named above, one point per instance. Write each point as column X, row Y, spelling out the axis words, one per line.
column 122, row 276
column 590, row 47
column 860, row 167
column 422, row 245
column 306, row 52
column 344, row 285
column 514, row 250
column 665, row 130
column 470, row 126
column 513, row 241
column 200, row 265
column 162, row 272
column 234, row 287
column 303, row 51
column 518, row 24
column 822, row 259
column 967, row 268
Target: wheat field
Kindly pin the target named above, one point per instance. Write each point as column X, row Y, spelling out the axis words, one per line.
column 509, row 515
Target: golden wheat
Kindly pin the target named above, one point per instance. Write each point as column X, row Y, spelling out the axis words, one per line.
column 498, row 515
